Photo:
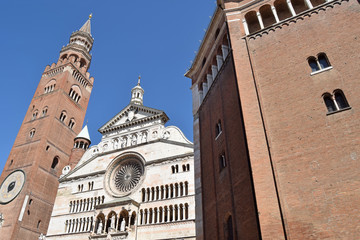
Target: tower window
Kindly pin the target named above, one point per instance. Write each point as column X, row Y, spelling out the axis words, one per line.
column 34, row 115
column 44, row 111
column 222, row 161
column 63, row 116
column 50, row 86
column 320, row 63
column 32, row 133
column 38, row 224
column 71, row 123
column 335, row 102
column 55, row 162
column 218, row 129
column 75, row 93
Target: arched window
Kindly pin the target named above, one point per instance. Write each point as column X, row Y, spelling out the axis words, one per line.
column 267, row 15
column 75, row 93
column 62, row 116
column 177, row 168
column 184, row 168
column 50, row 86
column 186, row 211
column 229, row 229
column 71, row 123
column 133, row 217
column 186, row 188
column 55, row 162
column 32, row 133
column 34, row 115
column 44, row 111
column 323, row 61
column 252, row 21
column 340, row 99
column 38, row 224
column 313, row 64
column 188, row 167
column 319, row 63
column 330, row 105
column 173, row 169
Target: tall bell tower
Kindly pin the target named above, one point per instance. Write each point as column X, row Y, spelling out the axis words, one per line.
column 42, row 147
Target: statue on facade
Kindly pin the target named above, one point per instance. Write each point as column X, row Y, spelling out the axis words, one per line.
column 99, row 230
column 112, row 225
column 122, row 226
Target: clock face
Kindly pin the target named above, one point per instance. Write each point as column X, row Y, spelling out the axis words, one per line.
column 11, row 186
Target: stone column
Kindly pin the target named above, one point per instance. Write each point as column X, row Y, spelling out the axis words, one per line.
column 260, row 20
column 153, row 216
column 273, row 9
column 205, row 88
column 246, row 28
column 291, row 7
column 163, row 215
column 219, row 61
column 308, row 3
column 179, row 210
column 148, row 217
column 225, row 51
column 209, row 79
column 214, row 71
column 168, row 215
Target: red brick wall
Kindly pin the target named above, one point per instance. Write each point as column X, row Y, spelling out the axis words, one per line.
column 315, row 155
column 228, row 191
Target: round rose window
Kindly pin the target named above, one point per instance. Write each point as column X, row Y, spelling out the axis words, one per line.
column 124, row 175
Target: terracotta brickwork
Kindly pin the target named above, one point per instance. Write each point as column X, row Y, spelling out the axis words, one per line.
column 302, row 155
column 43, row 144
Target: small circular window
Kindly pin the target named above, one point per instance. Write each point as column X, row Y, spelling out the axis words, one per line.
column 124, row 175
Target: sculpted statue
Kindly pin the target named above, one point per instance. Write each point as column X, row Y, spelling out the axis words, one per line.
column 99, row 230
column 112, row 225
column 133, row 141
column 144, row 137
column 122, row 226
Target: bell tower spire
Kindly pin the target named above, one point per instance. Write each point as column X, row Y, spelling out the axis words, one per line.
column 137, row 94
column 43, row 146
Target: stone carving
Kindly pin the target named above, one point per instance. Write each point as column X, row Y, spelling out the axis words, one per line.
column 128, row 176
column 122, row 226
column 144, row 137
column 166, row 135
column 115, row 143
column 134, row 139
column 99, row 230
column 112, row 225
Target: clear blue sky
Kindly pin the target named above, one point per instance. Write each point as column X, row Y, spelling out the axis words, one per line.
column 156, row 39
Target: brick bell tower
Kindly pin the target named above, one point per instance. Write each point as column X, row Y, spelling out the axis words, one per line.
column 43, row 145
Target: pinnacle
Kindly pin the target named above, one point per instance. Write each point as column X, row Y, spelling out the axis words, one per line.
column 87, row 26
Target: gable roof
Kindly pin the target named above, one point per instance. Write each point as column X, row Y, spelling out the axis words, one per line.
column 133, row 114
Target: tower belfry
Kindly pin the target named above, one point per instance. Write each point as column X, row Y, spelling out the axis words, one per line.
column 44, row 142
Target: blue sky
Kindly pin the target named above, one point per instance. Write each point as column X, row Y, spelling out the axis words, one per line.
column 156, row 39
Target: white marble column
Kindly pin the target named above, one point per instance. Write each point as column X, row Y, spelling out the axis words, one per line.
column 246, row 27
column 168, row 215
column 291, row 7
column 163, row 215
column 273, row 9
column 179, row 210
column 214, row 71
column 219, row 61
column 225, row 51
column 260, row 20
column 308, row 3
column 209, row 79
column 205, row 88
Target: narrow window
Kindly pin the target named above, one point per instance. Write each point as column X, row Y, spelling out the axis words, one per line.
column 313, row 64
column 340, row 100
column 329, row 104
column 55, row 162
column 229, row 229
column 184, row 168
column 44, row 111
column 323, row 61
column 218, row 129
column 222, row 161
column 38, row 224
column 32, row 133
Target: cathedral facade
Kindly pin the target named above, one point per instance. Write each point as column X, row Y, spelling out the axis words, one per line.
column 137, row 183
column 275, row 97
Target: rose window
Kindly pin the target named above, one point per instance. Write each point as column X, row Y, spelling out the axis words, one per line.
column 124, row 175
column 128, row 176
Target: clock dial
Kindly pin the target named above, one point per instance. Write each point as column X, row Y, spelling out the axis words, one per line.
column 11, row 186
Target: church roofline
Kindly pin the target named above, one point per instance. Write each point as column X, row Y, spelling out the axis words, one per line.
column 108, row 127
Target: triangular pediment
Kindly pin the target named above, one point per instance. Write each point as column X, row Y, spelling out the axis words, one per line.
column 132, row 115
